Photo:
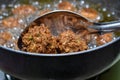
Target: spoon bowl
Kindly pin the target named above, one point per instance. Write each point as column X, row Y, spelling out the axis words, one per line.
column 101, row 27
column 61, row 20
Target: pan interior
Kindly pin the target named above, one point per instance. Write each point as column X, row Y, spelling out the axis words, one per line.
column 105, row 15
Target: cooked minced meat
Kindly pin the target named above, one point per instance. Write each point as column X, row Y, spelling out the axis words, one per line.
column 40, row 40
column 44, row 11
column 24, row 10
column 11, row 22
column 63, row 34
column 85, row 35
column 89, row 13
column 104, row 38
column 92, row 15
column 73, row 35
column 4, row 37
column 70, row 42
column 65, row 5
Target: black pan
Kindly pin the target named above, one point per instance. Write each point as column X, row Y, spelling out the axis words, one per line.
column 77, row 65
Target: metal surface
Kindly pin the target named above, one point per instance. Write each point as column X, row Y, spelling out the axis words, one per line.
column 112, row 26
column 112, row 74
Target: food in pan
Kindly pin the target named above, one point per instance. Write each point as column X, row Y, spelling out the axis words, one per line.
column 12, row 22
column 5, row 37
column 40, row 39
column 89, row 13
column 24, row 10
column 65, row 5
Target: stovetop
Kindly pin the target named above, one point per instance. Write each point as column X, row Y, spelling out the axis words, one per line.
column 4, row 76
column 111, row 74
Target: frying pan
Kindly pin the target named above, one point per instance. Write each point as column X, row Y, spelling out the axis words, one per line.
column 77, row 65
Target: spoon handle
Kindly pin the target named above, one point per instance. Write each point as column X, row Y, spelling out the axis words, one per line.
column 107, row 26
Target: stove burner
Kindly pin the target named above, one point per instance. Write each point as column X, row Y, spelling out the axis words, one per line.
column 4, row 76
column 8, row 77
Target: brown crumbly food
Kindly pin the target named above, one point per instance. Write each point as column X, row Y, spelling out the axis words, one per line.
column 24, row 10
column 104, row 38
column 92, row 14
column 44, row 11
column 71, row 35
column 39, row 39
column 89, row 13
column 85, row 35
column 65, row 5
column 11, row 22
column 4, row 37
column 15, row 44
column 70, row 42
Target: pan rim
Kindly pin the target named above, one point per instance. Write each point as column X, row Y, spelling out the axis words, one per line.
column 62, row 54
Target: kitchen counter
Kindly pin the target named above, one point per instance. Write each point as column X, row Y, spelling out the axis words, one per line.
column 111, row 74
